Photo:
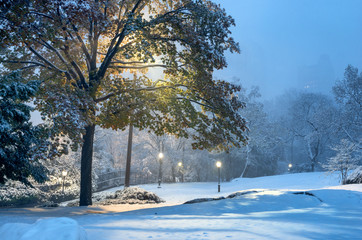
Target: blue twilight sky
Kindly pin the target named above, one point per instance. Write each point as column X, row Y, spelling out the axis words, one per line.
column 301, row 44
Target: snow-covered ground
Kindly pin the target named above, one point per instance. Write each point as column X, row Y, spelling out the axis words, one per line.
column 272, row 211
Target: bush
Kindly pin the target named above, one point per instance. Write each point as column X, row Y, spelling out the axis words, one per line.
column 19, row 195
column 355, row 176
column 16, row 194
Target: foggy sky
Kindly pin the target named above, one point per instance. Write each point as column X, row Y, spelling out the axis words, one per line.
column 301, row 44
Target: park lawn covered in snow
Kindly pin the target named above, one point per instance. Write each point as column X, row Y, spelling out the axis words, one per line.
column 291, row 206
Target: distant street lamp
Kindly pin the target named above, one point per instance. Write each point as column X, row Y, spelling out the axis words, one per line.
column 290, row 166
column 160, row 157
column 64, row 174
column 181, row 171
column 218, row 165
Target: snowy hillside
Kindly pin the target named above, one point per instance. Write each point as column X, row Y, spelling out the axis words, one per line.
column 292, row 206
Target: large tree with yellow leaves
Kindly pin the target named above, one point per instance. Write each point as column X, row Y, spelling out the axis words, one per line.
column 93, row 58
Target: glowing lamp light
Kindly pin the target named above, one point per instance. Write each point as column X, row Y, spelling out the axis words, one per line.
column 64, row 174
column 180, row 164
column 290, row 165
column 218, row 164
column 160, row 156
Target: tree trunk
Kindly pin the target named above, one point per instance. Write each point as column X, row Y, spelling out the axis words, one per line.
column 86, row 167
column 182, row 162
column 173, row 173
column 246, row 161
column 129, row 155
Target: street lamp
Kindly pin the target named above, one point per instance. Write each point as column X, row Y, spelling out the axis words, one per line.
column 64, row 174
column 290, row 166
column 160, row 157
column 181, row 171
column 218, row 165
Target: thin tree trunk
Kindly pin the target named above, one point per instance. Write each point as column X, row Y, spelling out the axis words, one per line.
column 129, row 155
column 86, row 167
column 246, row 162
column 182, row 162
column 173, row 173
column 292, row 152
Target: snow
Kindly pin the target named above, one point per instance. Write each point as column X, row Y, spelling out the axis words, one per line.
column 44, row 229
column 266, row 208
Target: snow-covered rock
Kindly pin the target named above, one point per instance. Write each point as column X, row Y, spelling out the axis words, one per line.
column 44, row 229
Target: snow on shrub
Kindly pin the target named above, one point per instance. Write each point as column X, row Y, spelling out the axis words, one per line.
column 14, row 193
column 355, row 176
column 131, row 195
column 346, row 159
column 136, row 193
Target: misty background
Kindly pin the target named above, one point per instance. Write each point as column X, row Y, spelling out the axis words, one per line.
column 293, row 44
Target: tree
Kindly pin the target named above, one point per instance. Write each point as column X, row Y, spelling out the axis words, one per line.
column 94, row 55
column 20, row 141
column 348, row 94
column 312, row 120
column 279, row 113
column 260, row 154
column 347, row 158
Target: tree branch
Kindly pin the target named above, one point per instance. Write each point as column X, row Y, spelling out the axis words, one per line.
column 112, row 51
column 45, row 60
column 41, row 14
column 123, row 62
column 83, row 46
column 139, row 67
column 101, row 99
column 194, row 101
column 27, row 62
column 71, row 73
column 106, row 97
column 76, row 68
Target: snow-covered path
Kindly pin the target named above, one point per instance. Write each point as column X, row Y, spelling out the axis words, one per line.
column 272, row 212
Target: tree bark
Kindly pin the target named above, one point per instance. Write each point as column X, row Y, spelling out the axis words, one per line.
column 182, row 162
column 129, row 155
column 173, row 173
column 86, row 167
column 246, row 161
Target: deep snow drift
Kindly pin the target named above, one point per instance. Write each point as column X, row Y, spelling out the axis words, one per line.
column 292, row 206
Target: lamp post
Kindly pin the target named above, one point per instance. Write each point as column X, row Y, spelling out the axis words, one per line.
column 160, row 157
column 290, row 166
column 218, row 165
column 64, row 174
column 181, row 171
